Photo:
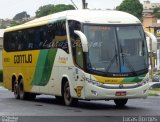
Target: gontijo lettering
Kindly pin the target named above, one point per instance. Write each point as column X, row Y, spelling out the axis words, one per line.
column 21, row 59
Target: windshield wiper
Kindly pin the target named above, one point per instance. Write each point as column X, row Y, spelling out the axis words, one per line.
column 112, row 61
column 125, row 60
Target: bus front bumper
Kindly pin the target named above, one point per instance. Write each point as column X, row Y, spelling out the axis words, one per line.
column 94, row 92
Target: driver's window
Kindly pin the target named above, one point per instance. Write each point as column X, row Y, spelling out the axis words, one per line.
column 76, row 43
column 78, row 53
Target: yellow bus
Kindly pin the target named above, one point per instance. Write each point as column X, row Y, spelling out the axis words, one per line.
column 77, row 54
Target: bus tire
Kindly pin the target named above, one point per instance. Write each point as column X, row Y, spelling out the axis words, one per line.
column 120, row 102
column 68, row 100
column 16, row 90
column 22, row 94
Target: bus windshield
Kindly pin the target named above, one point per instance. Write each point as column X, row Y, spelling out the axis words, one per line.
column 116, row 50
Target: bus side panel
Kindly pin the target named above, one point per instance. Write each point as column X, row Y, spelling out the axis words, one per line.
column 19, row 64
column 44, row 67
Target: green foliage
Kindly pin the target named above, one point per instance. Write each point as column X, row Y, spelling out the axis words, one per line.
column 1, row 84
column 1, row 76
column 62, row 7
column 50, row 9
column 155, row 89
column 14, row 23
column 133, row 7
column 153, row 94
column 44, row 10
column 156, row 10
column 156, row 13
column 21, row 16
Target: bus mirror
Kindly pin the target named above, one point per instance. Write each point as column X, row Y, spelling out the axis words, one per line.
column 151, row 41
column 83, row 40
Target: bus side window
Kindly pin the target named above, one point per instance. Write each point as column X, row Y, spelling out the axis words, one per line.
column 7, row 42
column 31, row 39
column 60, row 38
column 20, row 40
column 37, row 38
column 14, row 41
column 79, row 53
column 45, row 37
column 76, row 43
column 25, row 38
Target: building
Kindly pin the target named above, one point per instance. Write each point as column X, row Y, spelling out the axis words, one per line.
column 1, row 46
column 150, row 6
column 149, row 21
column 152, row 25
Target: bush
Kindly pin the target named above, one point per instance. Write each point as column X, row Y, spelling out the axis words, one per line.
column 1, row 76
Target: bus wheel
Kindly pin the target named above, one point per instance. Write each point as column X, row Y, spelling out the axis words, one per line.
column 120, row 102
column 68, row 100
column 22, row 93
column 16, row 90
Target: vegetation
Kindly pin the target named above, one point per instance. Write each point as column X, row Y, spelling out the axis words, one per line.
column 1, row 83
column 153, row 94
column 21, row 16
column 62, row 7
column 14, row 23
column 50, row 9
column 155, row 89
column 133, row 7
column 156, row 13
column 1, row 76
column 44, row 10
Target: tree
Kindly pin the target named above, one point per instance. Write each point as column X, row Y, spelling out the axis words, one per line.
column 21, row 16
column 50, row 9
column 44, row 10
column 156, row 13
column 14, row 23
column 133, row 7
column 62, row 7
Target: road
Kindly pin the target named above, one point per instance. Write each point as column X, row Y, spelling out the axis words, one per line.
column 46, row 106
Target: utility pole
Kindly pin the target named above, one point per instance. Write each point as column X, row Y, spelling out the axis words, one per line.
column 84, row 4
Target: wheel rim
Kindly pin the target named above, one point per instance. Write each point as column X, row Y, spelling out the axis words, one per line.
column 21, row 91
column 16, row 90
column 67, row 96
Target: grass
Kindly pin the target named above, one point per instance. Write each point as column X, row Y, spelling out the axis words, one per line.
column 153, row 94
column 155, row 89
column 1, row 84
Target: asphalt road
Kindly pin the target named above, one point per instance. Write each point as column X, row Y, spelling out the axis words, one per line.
column 45, row 108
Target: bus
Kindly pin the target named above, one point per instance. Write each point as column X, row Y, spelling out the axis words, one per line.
column 78, row 55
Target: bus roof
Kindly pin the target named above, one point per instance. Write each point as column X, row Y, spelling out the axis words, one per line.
column 84, row 16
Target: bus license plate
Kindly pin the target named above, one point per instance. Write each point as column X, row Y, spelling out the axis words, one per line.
column 121, row 93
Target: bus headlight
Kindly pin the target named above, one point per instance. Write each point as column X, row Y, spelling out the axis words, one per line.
column 93, row 82
column 145, row 80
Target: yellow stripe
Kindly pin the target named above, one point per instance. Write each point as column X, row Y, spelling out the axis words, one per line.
column 107, row 80
column 25, row 26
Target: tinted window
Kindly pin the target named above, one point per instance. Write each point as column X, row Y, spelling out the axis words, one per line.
column 76, row 43
column 43, row 37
